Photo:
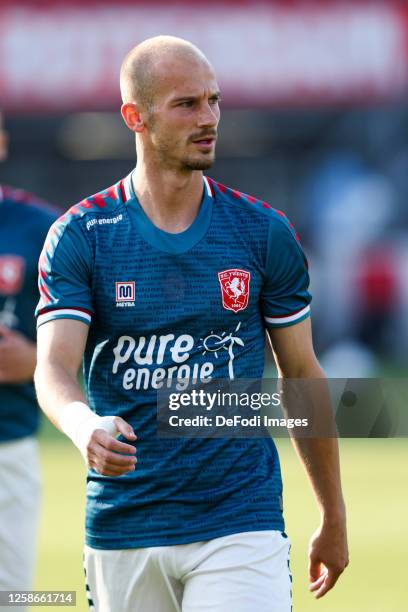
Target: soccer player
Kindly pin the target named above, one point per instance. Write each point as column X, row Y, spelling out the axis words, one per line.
column 138, row 279
column 25, row 220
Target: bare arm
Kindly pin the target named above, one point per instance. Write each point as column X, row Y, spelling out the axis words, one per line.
column 60, row 348
column 295, row 358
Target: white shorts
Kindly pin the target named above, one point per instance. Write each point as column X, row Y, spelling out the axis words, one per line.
column 243, row 572
column 19, row 506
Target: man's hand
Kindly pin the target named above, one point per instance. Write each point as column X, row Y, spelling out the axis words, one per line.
column 17, row 357
column 328, row 556
column 106, row 455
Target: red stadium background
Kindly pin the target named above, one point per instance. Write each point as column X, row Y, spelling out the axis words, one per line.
column 59, row 56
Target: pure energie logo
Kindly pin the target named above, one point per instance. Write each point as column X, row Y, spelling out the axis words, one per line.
column 137, row 354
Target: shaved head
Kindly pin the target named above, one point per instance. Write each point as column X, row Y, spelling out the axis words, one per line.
column 145, row 65
column 170, row 101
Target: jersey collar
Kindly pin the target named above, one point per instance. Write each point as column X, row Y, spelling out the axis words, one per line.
column 130, row 192
column 165, row 241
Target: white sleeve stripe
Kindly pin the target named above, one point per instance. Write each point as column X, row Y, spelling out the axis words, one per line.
column 126, row 184
column 128, row 190
column 207, row 184
column 61, row 313
column 289, row 318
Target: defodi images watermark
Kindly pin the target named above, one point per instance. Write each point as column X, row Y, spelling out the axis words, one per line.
column 275, row 407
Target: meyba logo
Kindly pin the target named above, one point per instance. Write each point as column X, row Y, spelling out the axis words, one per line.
column 125, row 293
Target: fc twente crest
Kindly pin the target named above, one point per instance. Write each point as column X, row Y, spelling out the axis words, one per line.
column 234, row 288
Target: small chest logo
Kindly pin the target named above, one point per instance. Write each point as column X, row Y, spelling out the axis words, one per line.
column 125, row 293
column 234, row 288
column 11, row 274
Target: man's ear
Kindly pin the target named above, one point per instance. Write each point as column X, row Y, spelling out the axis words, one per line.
column 132, row 116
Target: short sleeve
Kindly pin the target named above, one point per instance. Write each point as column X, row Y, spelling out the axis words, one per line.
column 64, row 276
column 285, row 298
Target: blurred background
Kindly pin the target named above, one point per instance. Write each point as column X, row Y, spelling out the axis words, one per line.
column 315, row 121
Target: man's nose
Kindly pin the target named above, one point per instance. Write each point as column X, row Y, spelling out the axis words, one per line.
column 208, row 115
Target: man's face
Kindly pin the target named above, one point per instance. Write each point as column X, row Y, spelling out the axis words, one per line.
column 182, row 127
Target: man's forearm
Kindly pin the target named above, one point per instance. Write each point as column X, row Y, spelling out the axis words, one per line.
column 320, row 458
column 56, row 387
column 319, row 455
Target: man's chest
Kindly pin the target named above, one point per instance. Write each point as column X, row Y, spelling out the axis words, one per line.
column 144, row 289
column 190, row 315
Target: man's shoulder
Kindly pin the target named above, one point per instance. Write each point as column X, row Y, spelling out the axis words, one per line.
column 103, row 204
column 243, row 202
column 71, row 227
column 240, row 203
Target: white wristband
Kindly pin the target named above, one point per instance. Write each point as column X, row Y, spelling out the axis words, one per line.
column 78, row 422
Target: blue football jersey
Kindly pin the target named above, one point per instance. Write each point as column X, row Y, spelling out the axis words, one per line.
column 25, row 221
column 153, row 301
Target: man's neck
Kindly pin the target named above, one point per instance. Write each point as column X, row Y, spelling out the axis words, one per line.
column 170, row 199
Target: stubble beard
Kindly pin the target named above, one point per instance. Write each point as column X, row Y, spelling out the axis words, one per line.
column 198, row 164
column 166, row 157
column 185, row 164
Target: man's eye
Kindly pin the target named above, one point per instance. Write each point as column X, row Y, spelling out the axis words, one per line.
column 187, row 103
column 215, row 100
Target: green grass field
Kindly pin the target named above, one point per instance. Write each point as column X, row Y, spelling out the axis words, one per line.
column 375, row 475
